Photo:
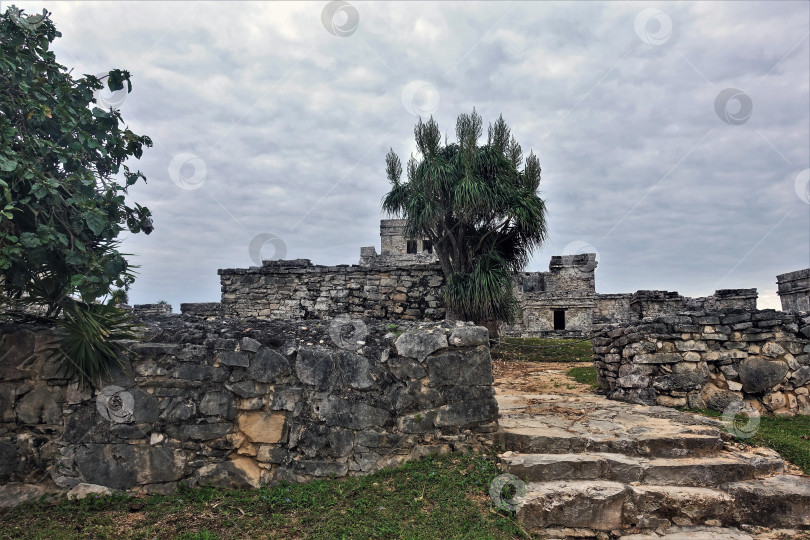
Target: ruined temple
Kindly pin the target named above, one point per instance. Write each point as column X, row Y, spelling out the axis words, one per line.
column 404, row 281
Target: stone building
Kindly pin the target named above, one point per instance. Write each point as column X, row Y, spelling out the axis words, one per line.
column 404, row 281
column 794, row 290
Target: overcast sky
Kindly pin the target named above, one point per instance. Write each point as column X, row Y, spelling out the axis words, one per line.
column 674, row 138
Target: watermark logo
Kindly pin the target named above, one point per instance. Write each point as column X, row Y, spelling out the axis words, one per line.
column 802, row 185
column 580, row 247
column 653, row 26
column 263, row 239
column 420, row 98
column 348, row 333
column 507, row 492
column 340, row 18
column 187, row 171
column 109, row 99
column 741, row 419
column 729, row 113
column 27, row 22
column 115, row 404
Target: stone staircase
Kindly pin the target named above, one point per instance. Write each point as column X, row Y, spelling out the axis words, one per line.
column 596, row 468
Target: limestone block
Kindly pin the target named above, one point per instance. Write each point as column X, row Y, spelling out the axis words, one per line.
column 262, row 426
column 420, row 345
column 758, row 375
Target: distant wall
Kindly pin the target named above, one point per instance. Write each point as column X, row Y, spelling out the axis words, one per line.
column 298, row 290
column 710, row 359
column 794, row 290
column 236, row 404
column 205, row 310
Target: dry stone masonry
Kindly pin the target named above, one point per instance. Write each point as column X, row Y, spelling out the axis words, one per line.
column 241, row 403
column 794, row 290
column 298, row 289
column 710, row 359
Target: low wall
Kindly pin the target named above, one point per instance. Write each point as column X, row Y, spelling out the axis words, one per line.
column 298, row 290
column 205, row 310
column 711, row 360
column 234, row 403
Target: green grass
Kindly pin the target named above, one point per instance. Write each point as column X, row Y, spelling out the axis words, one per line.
column 437, row 497
column 543, row 350
column 584, row 375
column 788, row 435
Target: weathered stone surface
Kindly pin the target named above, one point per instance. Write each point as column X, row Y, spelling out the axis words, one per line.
column 267, row 365
column 314, row 366
column 588, row 504
column 80, row 491
column 405, row 368
column 354, row 370
column 454, row 368
column 218, row 404
column 465, row 413
column 469, row 336
column 16, row 493
column 122, row 466
column 420, row 345
column 230, row 358
column 758, row 375
column 39, row 406
column 236, row 473
column 262, row 427
column 337, row 411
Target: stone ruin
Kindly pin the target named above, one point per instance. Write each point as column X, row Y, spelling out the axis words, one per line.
column 404, row 282
column 234, row 403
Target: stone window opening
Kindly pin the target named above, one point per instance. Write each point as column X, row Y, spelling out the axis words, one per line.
column 559, row 319
column 427, row 246
column 411, row 246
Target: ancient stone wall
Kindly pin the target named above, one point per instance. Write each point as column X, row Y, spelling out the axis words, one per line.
column 205, row 310
column 710, row 359
column 232, row 403
column 298, row 290
column 794, row 290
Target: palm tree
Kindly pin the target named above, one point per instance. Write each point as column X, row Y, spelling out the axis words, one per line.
column 480, row 208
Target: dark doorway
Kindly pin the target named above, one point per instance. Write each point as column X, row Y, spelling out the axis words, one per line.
column 559, row 319
column 411, row 247
column 427, row 245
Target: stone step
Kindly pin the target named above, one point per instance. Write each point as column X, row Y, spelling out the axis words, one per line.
column 778, row 501
column 706, row 471
column 534, row 440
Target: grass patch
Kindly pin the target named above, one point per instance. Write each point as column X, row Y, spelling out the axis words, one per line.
column 584, row 375
column 543, row 350
column 788, row 435
column 437, row 497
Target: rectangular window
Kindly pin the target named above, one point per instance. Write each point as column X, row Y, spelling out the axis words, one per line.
column 427, row 245
column 559, row 319
column 411, row 246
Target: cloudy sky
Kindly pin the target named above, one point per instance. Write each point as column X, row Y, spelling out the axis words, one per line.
column 674, row 138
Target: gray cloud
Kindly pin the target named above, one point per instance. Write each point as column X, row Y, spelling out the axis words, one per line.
column 292, row 124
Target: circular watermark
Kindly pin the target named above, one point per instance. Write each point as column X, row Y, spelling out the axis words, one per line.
column 506, row 491
column 420, row 98
column 106, row 98
column 653, row 26
column 730, row 114
column 261, row 240
column 587, row 264
column 348, row 333
column 802, row 185
column 27, row 22
column 115, row 404
column 340, row 18
column 741, row 419
column 188, row 171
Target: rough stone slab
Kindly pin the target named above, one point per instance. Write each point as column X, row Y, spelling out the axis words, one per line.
column 695, row 472
column 664, row 506
column 778, row 501
column 420, row 345
column 589, row 504
column 15, row 493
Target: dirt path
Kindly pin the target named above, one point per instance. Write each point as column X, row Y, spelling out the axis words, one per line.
column 538, row 377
